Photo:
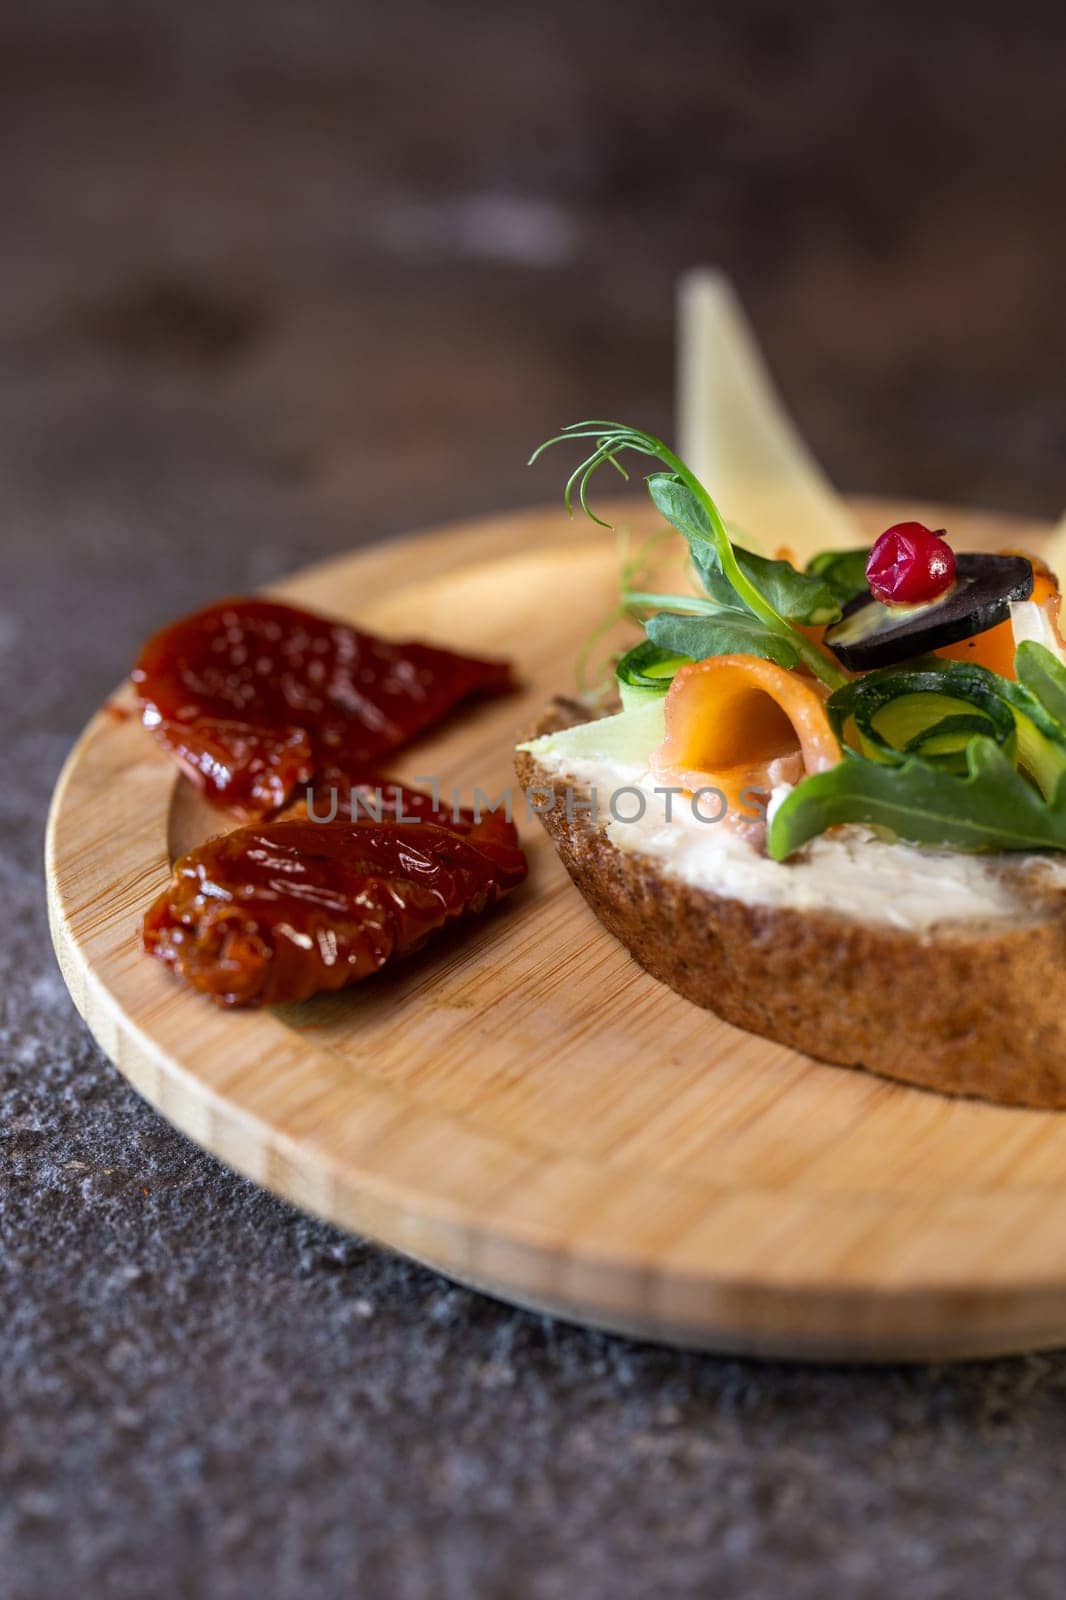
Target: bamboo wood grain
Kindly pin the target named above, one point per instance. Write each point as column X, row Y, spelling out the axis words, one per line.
column 524, row 1108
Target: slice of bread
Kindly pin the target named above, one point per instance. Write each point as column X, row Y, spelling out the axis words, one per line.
column 973, row 1008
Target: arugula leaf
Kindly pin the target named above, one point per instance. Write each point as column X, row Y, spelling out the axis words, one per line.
column 794, row 596
column 992, row 808
column 728, row 632
column 1043, row 676
column 843, row 571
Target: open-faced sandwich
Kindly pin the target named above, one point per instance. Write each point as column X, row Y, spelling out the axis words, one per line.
column 832, row 806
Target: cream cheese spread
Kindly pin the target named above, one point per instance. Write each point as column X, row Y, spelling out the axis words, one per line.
column 853, row 872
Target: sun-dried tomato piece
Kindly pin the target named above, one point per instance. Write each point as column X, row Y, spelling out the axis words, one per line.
column 254, row 697
column 337, row 795
column 274, row 912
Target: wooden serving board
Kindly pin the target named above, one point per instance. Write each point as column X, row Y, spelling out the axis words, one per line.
column 524, row 1108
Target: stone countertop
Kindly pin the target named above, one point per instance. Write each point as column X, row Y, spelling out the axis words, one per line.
column 263, row 297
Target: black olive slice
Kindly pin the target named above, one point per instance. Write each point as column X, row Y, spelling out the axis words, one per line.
column 870, row 634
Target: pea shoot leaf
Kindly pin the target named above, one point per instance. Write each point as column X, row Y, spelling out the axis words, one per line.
column 795, row 596
column 728, row 632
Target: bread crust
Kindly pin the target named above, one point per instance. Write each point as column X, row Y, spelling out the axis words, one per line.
column 967, row 1010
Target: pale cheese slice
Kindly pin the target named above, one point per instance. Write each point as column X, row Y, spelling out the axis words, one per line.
column 738, row 438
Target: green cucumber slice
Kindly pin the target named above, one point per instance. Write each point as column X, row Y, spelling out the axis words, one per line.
column 646, row 672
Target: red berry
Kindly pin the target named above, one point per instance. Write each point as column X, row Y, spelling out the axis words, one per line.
column 909, row 564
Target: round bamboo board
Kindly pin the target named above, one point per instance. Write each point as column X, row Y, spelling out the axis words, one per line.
column 524, row 1108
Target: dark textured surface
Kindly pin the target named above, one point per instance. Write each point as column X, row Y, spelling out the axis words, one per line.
column 279, row 278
